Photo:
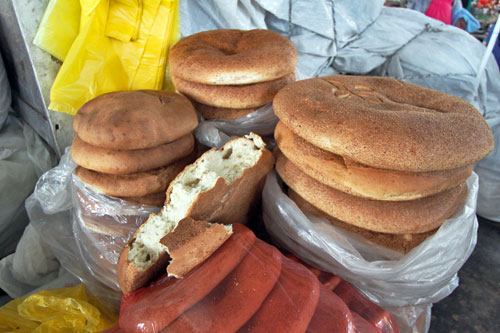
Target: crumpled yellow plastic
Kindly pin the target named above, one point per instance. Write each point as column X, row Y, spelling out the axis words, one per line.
column 56, row 310
column 97, row 63
column 49, row 36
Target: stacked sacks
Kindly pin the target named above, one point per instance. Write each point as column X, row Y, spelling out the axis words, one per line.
column 132, row 144
column 228, row 74
column 379, row 157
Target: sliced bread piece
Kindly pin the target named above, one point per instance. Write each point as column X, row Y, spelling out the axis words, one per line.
column 221, row 186
column 191, row 243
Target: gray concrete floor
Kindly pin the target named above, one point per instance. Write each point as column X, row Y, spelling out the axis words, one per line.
column 475, row 305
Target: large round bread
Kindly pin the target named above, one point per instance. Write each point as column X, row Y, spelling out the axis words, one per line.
column 398, row 242
column 395, row 217
column 122, row 162
column 135, row 119
column 153, row 199
column 359, row 180
column 384, row 123
column 135, row 184
column 212, row 112
column 233, row 96
column 233, row 57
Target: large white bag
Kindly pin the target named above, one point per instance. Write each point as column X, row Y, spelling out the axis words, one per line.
column 406, row 285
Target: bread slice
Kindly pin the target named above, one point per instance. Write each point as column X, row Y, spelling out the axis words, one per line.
column 221, row 186
column 191, row 243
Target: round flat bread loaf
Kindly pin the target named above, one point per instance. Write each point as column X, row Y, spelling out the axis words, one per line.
column 139, row 119
column 384, row 123
column 212, row 112
column 395, row 217
column 226, row 57
column 359, row 180
column 399, row 242
column 122, row 162
column 135, row 184
column 235, row 97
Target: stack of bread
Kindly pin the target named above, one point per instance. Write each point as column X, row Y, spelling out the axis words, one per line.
column 132, row 144
column 379, row 157
column 228, row 74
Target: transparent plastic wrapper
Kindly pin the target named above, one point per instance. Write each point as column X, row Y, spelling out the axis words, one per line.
column 54, row 310
column 489, row 178
column 407, row 285
column 248, row 285
column 215, row 133
column 102, row 225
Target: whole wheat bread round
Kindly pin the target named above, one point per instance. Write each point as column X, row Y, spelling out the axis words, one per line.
column 233, row 96
column 226, row 57
column 351, row 177
column 152, row 199
column 385, row 123
column 222, row 186
column 212, row 112
column 139, row 119
column 399, row 242
column 135, row 184
column 395, row 217
column 122, row 162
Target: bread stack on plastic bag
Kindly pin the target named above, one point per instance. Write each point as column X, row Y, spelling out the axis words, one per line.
column 231, row 76
column 128, row 146
column 132, row 144
column 378, row 157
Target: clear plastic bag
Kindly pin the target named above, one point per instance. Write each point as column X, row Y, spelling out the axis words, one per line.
column 102, row 225
column 406, row 285
column 246, row 285
column 56, row 310
column 5, row 96
column 215, row 133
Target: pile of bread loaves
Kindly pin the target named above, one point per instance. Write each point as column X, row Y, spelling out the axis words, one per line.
column 228, row 74
column 376, row 156
column 132, row 144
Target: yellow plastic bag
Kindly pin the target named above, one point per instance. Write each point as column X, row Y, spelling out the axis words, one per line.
column 49, row 36
column 57, row 310
column 124, row 19
column 97, row 64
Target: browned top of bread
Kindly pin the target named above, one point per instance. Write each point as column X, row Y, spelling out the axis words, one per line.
column 135, row 119
column 395, row 217
column 385, row 123
column 354, row 178
column 233, row 57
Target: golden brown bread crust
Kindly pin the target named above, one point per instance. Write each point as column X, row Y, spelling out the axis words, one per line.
column 399, row 242
column 233, row 96
column 359, row 180
column 121, row 162
column 384, row 123
column 395, row 217
column 135, row 119
column 191, row 243
column 227, row 56
column 212, row 112
column 135, row 184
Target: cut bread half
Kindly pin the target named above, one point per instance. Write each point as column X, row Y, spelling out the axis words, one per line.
column 191, row 243
column 221, row 186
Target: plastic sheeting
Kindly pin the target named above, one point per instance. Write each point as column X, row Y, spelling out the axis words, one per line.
column 5, row 97
column 406, row 285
